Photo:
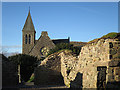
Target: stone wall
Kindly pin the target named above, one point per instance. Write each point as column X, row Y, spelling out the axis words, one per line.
column 49, row 71
column 113, row 70
column 44, row 43
column 92, row 56
column 68, row 67
column 9, row 73
column 98, row 65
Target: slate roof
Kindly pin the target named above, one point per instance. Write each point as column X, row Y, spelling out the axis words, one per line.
column 57, row 41
column 28, row 26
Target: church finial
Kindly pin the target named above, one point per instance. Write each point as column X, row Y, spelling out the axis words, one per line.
column 29, row 11
column 29, row 8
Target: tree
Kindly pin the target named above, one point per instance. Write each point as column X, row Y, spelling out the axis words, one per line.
column 61, row 46
column 27, row 64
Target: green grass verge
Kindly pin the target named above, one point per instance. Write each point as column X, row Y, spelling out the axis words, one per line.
column 31, row 79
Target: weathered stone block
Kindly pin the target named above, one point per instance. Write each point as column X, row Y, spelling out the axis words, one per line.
column 116, row 56
column 110, row 57
column 113, row 51
column 110, row 45
column 116, row 44
column 111, row 78
column 117, row 71
column 117, row 78
column 114, row 63
column 110, row 70
column 118, row 50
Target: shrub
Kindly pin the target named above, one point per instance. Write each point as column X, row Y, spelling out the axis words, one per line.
column 27, row 64
column 61, row 46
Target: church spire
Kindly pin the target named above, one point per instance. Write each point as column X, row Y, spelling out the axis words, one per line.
column 28, row 26
column 29, row 8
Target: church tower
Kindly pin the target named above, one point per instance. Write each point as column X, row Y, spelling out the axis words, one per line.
column 28, row 35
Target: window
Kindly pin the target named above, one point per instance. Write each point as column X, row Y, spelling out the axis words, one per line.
column 26, row 39
column 29, row 38
column 44, row 51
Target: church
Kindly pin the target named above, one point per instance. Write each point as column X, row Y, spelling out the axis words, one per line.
column 40, row 47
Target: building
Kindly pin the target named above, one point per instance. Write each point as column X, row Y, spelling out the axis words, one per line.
column 38, row 47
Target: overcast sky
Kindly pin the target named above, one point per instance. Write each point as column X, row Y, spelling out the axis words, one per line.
column 79, row 21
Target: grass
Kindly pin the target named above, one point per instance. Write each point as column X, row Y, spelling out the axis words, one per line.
column 112, row 35
column 31, row 79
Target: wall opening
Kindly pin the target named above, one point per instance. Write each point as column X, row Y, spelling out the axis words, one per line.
column 26, row 39
column 29, row 39
column 78, row 81
column 101, row 77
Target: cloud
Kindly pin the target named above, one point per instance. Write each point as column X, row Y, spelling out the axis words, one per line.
column 11, row 54
column 90, row 10
column 9, row 49
column 14, row 46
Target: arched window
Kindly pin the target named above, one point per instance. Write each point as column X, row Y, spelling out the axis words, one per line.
column 29, row 38
column 26, row 39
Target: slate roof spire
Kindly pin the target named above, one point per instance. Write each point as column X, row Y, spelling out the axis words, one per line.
column 28, row 26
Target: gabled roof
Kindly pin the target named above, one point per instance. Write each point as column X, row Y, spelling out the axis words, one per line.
column 28, row 26
column 43, row 41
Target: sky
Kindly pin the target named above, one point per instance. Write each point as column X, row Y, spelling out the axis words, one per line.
column 81, row 21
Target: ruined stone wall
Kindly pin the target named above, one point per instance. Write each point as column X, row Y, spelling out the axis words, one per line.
column 96, row 60
column 102, row 53
column 113, row 71
column 48, row 71
column 68, row 67
column 97, row 66
column 92, row 56
column 54, row 70
column 9, row 73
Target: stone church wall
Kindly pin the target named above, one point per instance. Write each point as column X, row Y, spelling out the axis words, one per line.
column 43, row 42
